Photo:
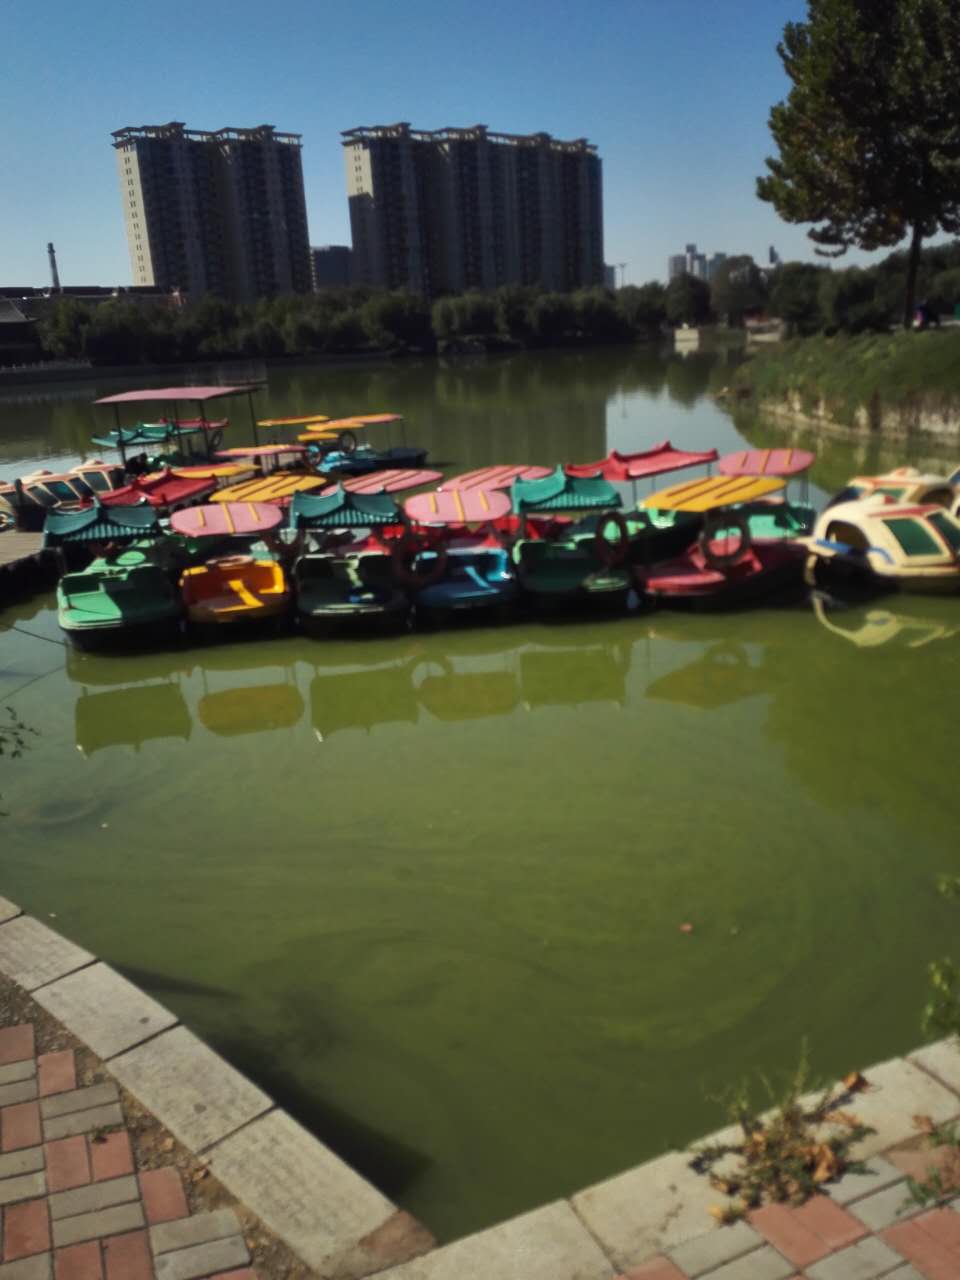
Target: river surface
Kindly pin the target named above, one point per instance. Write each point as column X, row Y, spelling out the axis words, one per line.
column 428, row 890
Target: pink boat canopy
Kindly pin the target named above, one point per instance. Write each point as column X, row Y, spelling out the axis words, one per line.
column 618, row 467
column 391, row 481
column 471, row 506
column 766, row 462
column 173, row 394
column 493, row 478
column 222, row 518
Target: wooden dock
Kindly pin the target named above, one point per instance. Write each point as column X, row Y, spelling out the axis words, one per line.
column 25, row 567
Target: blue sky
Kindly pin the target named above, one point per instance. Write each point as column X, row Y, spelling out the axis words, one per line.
column 675, row 93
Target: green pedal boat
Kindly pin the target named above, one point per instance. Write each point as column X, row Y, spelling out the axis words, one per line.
column 130, row 599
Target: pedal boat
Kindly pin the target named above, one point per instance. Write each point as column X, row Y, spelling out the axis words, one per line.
column 906, row 485
column 568, row 571
column 721, row 571
column 233, row 590
column 125, row 599
column 883, row 542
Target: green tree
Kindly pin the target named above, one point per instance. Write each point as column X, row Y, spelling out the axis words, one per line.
column 63, row 329
column 848, row 300
column 794, row 295
column 737, row 288
column 643, row 306
column 552, row 316
column 599, row 318
column 688, row 300
column 869, row 148
column 397, row 319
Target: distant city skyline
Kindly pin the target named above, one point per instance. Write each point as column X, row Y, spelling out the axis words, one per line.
column 675, row 97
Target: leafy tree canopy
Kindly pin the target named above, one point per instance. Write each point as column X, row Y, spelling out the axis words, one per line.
column 737, row 288
column 869, row 135
column 688, row 300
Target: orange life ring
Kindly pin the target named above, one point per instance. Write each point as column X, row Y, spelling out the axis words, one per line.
column 713, row 525
column 405, row 551
column 607, row 552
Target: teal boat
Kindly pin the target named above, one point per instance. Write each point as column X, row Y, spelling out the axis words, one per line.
column 356, row 592
column 128, row 599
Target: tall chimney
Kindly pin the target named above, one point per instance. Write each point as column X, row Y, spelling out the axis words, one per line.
column 55, row 274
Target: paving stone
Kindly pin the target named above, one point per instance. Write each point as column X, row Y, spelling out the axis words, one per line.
column 106, row 1011
column 200, row 1229
column 189, row 1088
column 32, row 954
column 94, row 1226
column 647, row 1210
column 128, row 1257
column 26, row 1187
column 78, row 1262
column 299, row 1188
column 906, row 1272
column 886, row 1207
column 782, row 1228
column 550, row 1243
column 933, row 1259
column 163, row 1196
column 20, row 1126
column 98, row 1195
column 111, row 1156
column 8, row 910
column 28, row 1160
column 866, row 1260
column 26, row 1229
column 16, row 1044
column 56, row 1072
column 83, row 1122
column 656, row 1269
column 764, row 1264
column 718, row 1245
column 835, row 1226
column 39, row 1267
column 919, row 1161
column 944, row 1226
column 941, row 1060
column 19, row 1091
column 899, row 1091
column 245, row 1273
column 95, row 1095
column 201, row 1260
column 15, row 1071
column 68, row 1164
column 879, row 1173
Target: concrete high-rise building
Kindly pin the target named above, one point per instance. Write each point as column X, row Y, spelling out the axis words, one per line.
column 331, row 266
column 456, row 209
column 689, row 263
column 220, row 213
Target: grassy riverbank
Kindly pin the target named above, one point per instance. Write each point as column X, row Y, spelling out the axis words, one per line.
column 892, row 382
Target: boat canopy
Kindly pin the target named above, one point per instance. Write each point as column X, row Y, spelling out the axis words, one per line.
column 260, row 450
column 713, row 492
column 662, row 457
column 470, row 506
column 213, row 471
column 292, row 422
column 494, row 477
column 562, row 492
column 278, row 487
column 174, row 394
column 161, row 489
column 395, row 481
column 372, row 419
column 340, row 509
column 216, row 520
column 101, row 524
column 766, row 462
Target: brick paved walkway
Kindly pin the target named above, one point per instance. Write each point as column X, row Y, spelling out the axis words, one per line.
column 74, row 1207
column 865, row 1228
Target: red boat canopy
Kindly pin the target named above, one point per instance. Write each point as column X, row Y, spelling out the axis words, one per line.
column 391, row 481
column 159, row 490
column 493, row 478
column 473, row 506
column 178, row 393
column 618, row 467
column 766, row 462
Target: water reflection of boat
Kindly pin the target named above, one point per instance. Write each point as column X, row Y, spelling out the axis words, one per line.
column 722, row 675
column 873, row 628
column 130, row 717
column 250, row 709
column 361, row 698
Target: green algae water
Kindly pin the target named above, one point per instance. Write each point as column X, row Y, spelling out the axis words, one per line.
column 428, row 890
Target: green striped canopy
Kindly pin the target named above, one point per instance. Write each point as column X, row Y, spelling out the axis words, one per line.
column 560, row 492
column 340, row 509
column 101, row 524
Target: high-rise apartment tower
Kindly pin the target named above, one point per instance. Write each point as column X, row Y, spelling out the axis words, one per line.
column 456, row 209
column 220, row 213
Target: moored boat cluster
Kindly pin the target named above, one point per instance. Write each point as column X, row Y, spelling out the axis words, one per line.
column 312, row 534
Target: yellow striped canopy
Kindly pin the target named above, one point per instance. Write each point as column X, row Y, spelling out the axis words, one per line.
column 711, row 492
column 272, row 488
column 214, row 471
column 292, row 422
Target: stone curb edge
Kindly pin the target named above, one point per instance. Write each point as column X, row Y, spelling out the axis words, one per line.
column 324, row 1211
column 335, row 1220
